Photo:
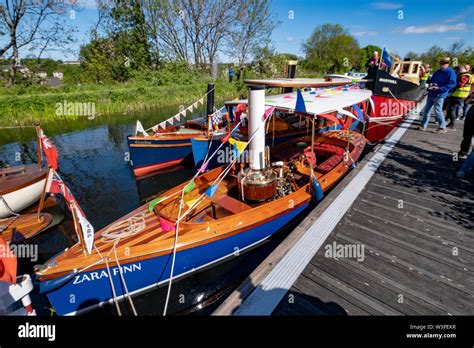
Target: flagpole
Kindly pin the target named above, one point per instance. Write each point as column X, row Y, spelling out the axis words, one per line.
column 38, row 139
column 43, row 195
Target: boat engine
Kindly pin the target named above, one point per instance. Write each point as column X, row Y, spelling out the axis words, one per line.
column 257, row 185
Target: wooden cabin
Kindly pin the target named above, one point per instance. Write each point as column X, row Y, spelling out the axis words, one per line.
column 409, row 70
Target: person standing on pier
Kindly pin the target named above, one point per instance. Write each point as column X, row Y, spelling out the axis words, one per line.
column 442, row 81
column 459, row 95
column 231, row 74
column 425, row 75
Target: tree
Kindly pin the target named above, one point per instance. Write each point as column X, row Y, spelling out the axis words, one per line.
column 412, row 56
column 331, row 49
column 433, row 55
column 28, row 22
column 253, row 28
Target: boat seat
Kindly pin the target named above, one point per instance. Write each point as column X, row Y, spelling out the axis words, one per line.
column 230, row 204
column 330, row 163
column 324, row 149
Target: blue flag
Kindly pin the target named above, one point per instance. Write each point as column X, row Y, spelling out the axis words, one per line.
column 211, row 190
column 359, row 112
column 300, row 106
column 386, row 58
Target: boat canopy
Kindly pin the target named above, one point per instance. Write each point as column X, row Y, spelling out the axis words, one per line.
column 299, row 82
column 316, row 102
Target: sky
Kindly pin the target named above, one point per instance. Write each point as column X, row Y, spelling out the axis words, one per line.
column 401, row 26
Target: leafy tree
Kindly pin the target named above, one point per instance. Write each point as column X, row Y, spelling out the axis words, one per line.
column 331, row 49
column 433, row 55
column 412, row 56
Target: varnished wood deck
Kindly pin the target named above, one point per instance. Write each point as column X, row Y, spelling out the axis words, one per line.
column 415, row 220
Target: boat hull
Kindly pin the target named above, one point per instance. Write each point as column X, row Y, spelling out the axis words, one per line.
column 25, row 192
column 92, row 289
column 392, row 96
column 148, row 154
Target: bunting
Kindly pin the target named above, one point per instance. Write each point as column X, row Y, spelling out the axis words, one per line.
column 360, row 114
column 154, row 202
column 140, row 130
column 239, row 146
column 211, row 190
column 190, row 186
column 166, row 225
column 191, row 201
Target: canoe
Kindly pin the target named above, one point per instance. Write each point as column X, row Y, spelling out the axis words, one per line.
column 219, row 227
column 20, row 187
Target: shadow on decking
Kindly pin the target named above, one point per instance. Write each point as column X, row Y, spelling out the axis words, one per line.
column 432, row 174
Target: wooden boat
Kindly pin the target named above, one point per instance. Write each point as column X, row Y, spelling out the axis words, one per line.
column 16, row 229
column 216, row 228
column 169, row 146
column 21, row 187
column 227, row 210
column 286, row 124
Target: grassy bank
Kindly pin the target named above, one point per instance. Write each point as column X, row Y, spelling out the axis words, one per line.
column 26, row 106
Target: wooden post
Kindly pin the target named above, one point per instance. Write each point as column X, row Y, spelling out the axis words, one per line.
column 43, row 195
column 38, row 139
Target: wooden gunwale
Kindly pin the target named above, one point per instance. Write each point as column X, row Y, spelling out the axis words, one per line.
column 15, row 182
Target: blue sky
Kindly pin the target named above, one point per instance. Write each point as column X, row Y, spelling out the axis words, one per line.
column 420, row 25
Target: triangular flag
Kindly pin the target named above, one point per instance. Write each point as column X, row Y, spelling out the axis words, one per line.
column 239, row 145
column 87, row 230
column 347, row 113
column 189, row 187
column 226, row 138
column 195, row 105
column 360, row 114
column 331, row 117
column 162, row 125
column 166, row 225
column 268, row 112
column 154, row 202
column 50, row 150
column 177, row 117
column 203, row 167
column 190, row 202
column 300, row 106
column 211, row 190
column 140, row 130
column 190, row 108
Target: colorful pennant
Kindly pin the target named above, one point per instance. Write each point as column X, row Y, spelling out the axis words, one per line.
column 154, row 202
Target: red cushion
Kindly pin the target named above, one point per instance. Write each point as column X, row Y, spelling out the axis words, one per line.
column 330, row 163
column 324, row 149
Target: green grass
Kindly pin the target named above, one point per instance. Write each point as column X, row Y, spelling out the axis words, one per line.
column 38, row 104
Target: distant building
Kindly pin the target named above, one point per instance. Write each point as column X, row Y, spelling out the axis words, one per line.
column 72, row 62
column 58, row 74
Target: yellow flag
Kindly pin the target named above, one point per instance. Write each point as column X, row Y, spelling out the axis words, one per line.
column 239, row 145
column 190, row 202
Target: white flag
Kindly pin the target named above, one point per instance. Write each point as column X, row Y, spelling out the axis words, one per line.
column 177, row 117
column 195, row 105
column 140, row 130
column 201, row 101
column 87, row 230
column 183, row 113
column 190, row 108
column 162, row 125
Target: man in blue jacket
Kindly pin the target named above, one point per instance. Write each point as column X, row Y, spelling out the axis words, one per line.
column 442, row 81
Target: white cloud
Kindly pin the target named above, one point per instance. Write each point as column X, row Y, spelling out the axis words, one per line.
column 434, row 28
column 364, row 33
column 382, row 5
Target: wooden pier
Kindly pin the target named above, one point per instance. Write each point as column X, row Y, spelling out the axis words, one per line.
column 414, row 219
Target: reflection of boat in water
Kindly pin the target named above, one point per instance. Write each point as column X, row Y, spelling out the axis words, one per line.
column 203, row 221
column 395, row 93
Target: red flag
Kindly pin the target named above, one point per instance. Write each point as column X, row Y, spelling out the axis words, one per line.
column 58, row 186
column 226, row 138
column 8, row 263
column 330, row 117
column 49, row 150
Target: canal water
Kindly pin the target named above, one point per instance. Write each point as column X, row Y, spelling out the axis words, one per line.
column 93, row 163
